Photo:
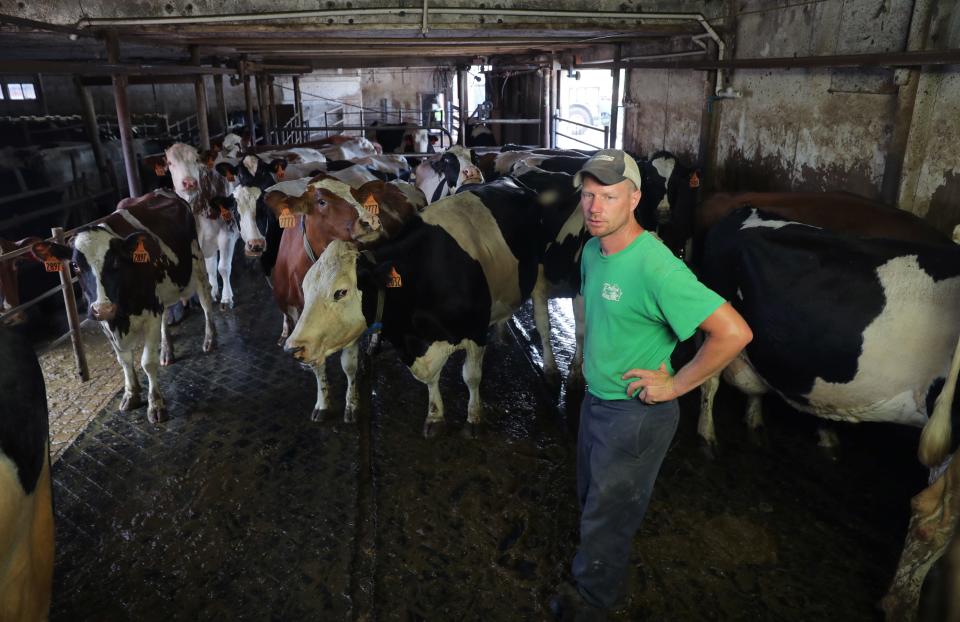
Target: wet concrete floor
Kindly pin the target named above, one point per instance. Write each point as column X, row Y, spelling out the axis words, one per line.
column 241, row 508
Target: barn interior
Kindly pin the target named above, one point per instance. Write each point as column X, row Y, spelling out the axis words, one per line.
column 240, row 507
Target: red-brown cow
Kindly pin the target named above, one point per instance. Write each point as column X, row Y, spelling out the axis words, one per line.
column 327, row 209
column 9, row 286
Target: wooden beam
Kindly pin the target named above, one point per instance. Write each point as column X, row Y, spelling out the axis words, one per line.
column 99, row 68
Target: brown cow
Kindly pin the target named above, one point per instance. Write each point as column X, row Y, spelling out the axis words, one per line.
column 325, row 209
column 837, row 211
column 10, row 286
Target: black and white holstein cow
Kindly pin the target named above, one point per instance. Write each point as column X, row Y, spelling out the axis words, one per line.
column 462, row 265
column 26, row 509
column 443, row 175
column 850, row 329
column 216, row 229
column 143, row 258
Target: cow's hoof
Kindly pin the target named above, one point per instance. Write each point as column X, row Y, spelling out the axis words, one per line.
column 758, row 436
column 551, row 378
column 281, row 341
column 166, row 358
column 432, row 428
column 349, row 415
column 471, row 430
column 226, row 305
column 709, row 450
column 130, row 402
column 209, row 343
column 156, row 414
column 319, row 414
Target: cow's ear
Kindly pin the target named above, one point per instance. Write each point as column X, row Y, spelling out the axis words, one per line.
column 50, row 253
column 695, row 176
column 222, row 202
column 226, row 170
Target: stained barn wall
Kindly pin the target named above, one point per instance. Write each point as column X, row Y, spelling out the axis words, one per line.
column 814, row 129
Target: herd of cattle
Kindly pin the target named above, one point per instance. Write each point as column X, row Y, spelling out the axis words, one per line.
column 855, row 307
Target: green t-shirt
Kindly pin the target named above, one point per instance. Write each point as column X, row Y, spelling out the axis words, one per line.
column 640, row 302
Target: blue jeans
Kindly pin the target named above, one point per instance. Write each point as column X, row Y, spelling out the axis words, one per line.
column 620, row 448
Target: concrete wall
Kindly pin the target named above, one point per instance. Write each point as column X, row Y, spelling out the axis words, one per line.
column 815, row 129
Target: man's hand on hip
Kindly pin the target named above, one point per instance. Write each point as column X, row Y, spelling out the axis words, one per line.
column 655, row 385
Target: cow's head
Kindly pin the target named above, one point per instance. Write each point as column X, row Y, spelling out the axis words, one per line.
column 278, row 168
column 443, row 176
column 246, row 204
column 116, row 274
column 231, row 145
column 332, row 315
column 392, row 203
column 157, row 164
column 184, row 164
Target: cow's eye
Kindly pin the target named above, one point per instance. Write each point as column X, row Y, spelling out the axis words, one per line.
column 340, row 293
column 321, row 202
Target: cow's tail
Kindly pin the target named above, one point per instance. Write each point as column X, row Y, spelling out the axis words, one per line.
column 936, row 437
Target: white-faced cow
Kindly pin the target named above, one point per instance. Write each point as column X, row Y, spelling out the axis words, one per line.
column 26, row 510
column 216, row 229
column 143, row 258
column 442, row 176
column 463, row 265
column 326, row 209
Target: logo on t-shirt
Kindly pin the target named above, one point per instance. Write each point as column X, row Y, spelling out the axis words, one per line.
column 611, row 292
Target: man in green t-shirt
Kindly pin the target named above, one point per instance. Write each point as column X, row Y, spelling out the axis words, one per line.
column 640, row 302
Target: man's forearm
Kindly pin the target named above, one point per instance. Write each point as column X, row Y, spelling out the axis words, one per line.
column 715, row 353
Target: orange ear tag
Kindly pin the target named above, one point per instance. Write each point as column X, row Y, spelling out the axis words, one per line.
column 371, row 205
column 694, row 180
column 225, row 214
column 286, row 218
column 395, row 280
column 51, row 265
column 140, row 254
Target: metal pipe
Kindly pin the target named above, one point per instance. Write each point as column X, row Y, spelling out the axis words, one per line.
column 89, row 114
column 272, row 105
column 545, row 105
column 200, row 92
column 423, row 26
column 615, row 103
column 648, row 57
column 462, row 103
column 248, row 98
column 221, row 102
column 882, row 59
column 298, row 105
column 70, row 304
column 123, row 118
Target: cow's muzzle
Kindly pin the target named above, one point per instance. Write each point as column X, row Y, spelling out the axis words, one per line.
column 296, row 351
column 103, row 311
column 255, row 248
column 472, row 175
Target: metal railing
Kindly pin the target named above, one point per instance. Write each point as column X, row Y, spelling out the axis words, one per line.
column 58, row 235
column 184, row 129
column 605, row 130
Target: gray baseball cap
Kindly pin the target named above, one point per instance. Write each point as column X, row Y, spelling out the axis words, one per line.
column 610, row 166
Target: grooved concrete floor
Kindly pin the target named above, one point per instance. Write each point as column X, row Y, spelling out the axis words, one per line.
column 240, row 508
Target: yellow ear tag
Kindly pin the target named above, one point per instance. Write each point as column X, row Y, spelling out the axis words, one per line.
column 286, row 218
column 395, row 280
column 140, row 254
column 51, row 265
column 694, row 180
column 371, row 205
